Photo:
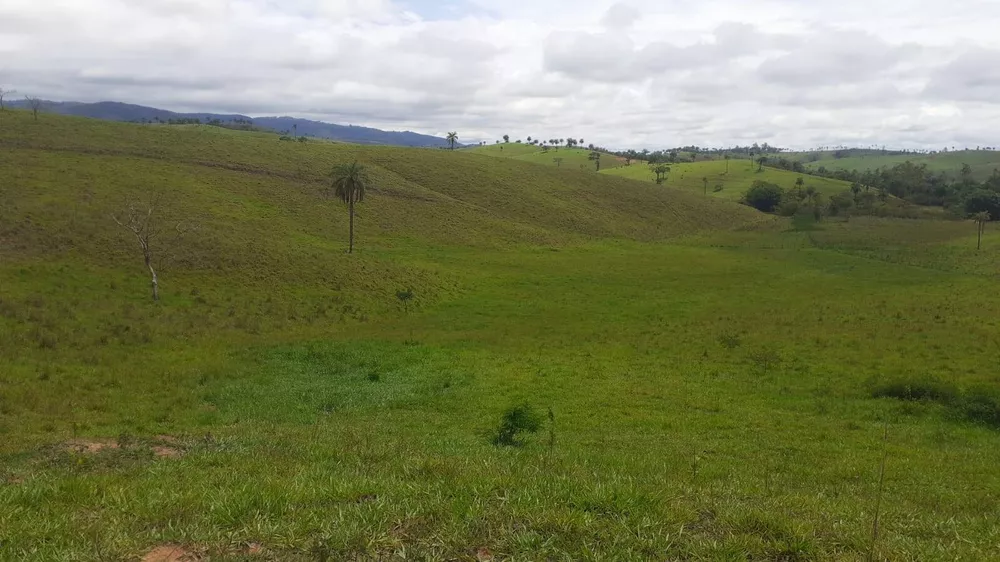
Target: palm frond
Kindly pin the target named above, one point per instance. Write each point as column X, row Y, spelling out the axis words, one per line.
column 350, row 181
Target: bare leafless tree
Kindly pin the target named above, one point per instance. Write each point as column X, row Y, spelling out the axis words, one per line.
column 2, row 94
column 5, row 93
column 35, row 104
column 142, row 219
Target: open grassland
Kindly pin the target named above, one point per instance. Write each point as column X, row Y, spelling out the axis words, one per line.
column 734, row 182
column 561, row 157
column 709, row 372
column 982, row 162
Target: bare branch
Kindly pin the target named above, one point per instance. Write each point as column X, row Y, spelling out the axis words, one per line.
column 35, row 104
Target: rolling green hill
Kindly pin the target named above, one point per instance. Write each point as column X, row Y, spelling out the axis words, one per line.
column 569, row 158
column 734, row 178
column 740, row 176
column 519, row 362
column 982, row 162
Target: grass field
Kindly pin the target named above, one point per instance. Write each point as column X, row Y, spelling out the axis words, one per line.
column 709, row 371
column 734, row 183
column 982, row 162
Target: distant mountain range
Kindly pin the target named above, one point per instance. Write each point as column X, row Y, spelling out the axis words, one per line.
column 117, row 111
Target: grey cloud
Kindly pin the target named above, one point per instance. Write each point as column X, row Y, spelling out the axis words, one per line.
column 972, row 76
column 597, row 56
column 835, row 57
column 781, row 71
column 621, row 16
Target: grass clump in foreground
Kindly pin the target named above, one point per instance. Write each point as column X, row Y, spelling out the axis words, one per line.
column 709, row 365
column 514, row 423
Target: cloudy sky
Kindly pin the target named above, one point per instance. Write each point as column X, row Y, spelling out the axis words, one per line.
column 629, row 73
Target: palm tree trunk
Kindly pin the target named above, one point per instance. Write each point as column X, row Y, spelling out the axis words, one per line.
column 979, row 245
column 350, row 248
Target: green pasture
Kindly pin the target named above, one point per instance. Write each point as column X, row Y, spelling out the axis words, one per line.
column 705, row 374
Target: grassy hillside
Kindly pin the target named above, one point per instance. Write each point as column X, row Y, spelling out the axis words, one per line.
column 740, row 176
column 730, row 394
column 983, row 162
column 572, row 158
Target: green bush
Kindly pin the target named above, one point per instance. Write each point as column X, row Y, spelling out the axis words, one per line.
column 515, row 421
column 764, row 196
column 980, row 405
column 788, row 208
column 977, row 405
column 983, row 200
column 927, row 389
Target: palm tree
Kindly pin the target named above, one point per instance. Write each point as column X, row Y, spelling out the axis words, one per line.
column 452, row 139
column 349, row 184
column 981, row 219
column 727, row 164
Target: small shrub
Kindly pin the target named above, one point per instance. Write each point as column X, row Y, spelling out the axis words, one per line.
column 730, row 340
column 514, row 422
column 765, row 358
column 980, row 405
column 925, row 389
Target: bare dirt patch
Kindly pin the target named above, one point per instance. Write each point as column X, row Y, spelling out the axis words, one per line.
column 87, row 447
column 167, row 447
column 170, row 553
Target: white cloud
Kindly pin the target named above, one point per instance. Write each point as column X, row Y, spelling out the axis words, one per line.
column 619, row 73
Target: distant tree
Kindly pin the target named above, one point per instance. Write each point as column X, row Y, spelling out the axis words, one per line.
column 727, row 164
column 506, row 138
column 452, row 139
column 558, row 162
column 34, row 104
column 704, row 180
column 760, row 163
column 799, row 182
column 764, row 196
column 350, row 182
column 295, row 130
column 4, row 93
column 981, row 219
column 529, row 139
column 661, row 171
column 855, row 190
column 596, row 157
column 983, row 200
column 141, row 218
